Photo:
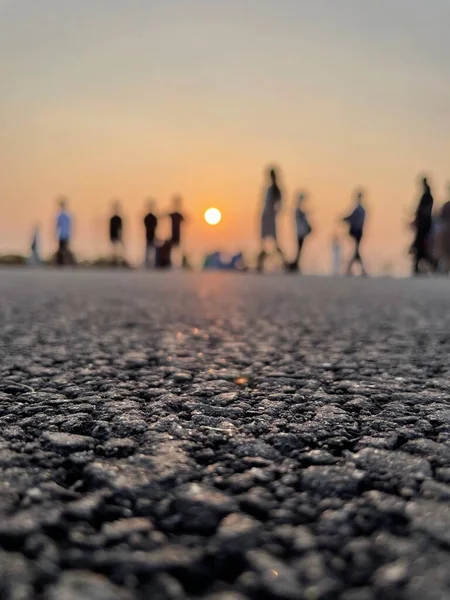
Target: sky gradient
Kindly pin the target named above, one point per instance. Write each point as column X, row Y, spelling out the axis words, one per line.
column 106, row 98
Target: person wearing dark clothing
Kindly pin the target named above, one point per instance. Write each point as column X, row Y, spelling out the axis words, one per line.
column 303, row 229
column 150, row 224
column 115, row 229
column 423, row 224
column 442, row 240
column 163, row 255
column 356, row 221
column 115, row 232
column 177, row 219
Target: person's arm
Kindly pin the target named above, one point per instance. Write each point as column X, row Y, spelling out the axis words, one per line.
column 350, row 217
column 307, row 222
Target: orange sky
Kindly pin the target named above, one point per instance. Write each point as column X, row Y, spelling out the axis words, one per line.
column 127, row 100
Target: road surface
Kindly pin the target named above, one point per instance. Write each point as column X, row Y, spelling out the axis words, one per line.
column 224, row 437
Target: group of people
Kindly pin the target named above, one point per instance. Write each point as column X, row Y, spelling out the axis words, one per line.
column 430, row 249
column 431, row 245
column 157, row 251
column 271, row 207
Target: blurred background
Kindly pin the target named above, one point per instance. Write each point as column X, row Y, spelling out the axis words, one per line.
column 106, row 98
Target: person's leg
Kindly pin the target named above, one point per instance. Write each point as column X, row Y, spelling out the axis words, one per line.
column 418, row 257
column 300, row 242
column 146, row 255
column 60, row 254
column 65, row 251
column 261, row 258
column 358, row 258
column 115, row 252
column 355, row 257
column 176, row 254
column 279, row 250
column 432, row 261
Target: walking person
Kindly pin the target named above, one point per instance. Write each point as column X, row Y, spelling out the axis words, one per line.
column 302, row 226
column 271, row 208
column 116, row 233
column 302, row 229
column 356, row 221
column 63, row 232
column 150, row 224
column 442, row 242
column 423, row 225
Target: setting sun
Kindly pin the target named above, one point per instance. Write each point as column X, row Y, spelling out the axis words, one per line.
column 213, row 216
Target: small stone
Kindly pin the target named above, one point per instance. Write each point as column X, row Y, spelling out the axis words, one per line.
column 332, row 481
column 119, row 447
column 274, row 577
column 18, row 527
column 84, row 508
column 237, row 525
column 435, row 490
column 431, row 518
column 202, row 508
column 66, row 443
column 181, row 377
column 256, row 449
column 123, row 528
column 392, row 469
column 317, row 457
column 438, row 454
column 135, row 360
column 303, row 540
column 83, row 585
column 392, row 575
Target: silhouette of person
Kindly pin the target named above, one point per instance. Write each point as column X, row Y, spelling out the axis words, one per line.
column 150, row 224
column 116, row 232
column 303, row 228
column 442, row 245
column 423, row 224
column 356, row 221
column 177, row 219
column 163, row 255
column 271, row 207
column 63, row 232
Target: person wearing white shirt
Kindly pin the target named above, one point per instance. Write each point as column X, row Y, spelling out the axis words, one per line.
column 63, row 231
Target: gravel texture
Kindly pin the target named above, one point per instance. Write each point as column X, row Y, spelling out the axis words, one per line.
column 224, row 437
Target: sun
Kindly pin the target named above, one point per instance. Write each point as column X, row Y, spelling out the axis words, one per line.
column 213, row 216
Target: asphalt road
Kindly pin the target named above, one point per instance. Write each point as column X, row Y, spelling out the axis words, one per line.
column 225, row 437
